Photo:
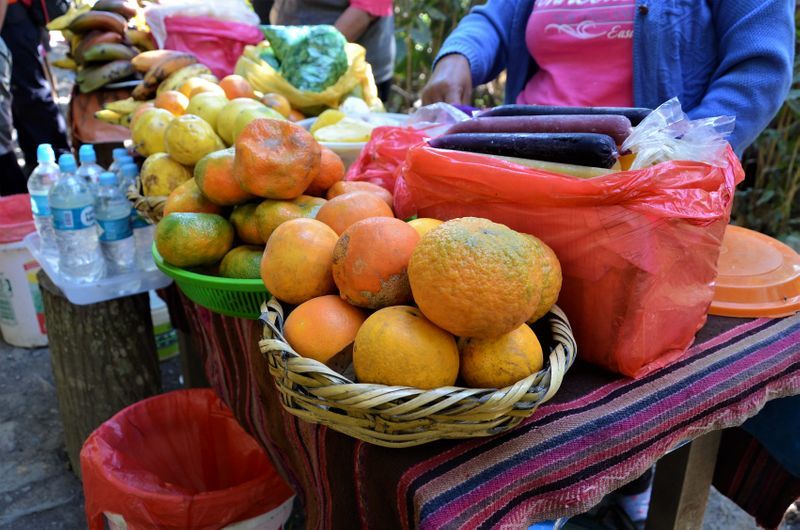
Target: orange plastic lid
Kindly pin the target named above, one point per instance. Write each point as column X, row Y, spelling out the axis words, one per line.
column 758, row 276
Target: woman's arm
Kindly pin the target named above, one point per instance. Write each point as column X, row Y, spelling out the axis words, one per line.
column 756, row 48
column 355, row 20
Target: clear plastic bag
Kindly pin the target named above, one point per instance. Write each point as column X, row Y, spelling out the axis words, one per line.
column 668, row 134
column 435, row 119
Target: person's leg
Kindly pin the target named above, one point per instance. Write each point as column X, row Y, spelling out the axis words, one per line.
column 12, row 179
column 35, row 114
column 384, row 89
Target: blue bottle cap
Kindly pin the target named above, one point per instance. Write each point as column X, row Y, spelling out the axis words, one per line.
column 86, row 154
column 66, row 163
column 118, row 152
column 129, row 171
column 108, row 179
column 45, row 154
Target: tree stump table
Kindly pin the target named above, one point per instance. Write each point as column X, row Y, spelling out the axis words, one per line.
column 104, row 358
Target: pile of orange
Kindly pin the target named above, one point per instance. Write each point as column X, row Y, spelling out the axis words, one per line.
column 425, row 304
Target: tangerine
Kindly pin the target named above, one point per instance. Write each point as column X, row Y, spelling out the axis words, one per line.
column 271, row 213
column 243, row 218
column 236, row 86
column 188, row 198
column 345, row 210
column 501, row 361
column 214, row 176
column 322, row 327
column 331, row 171
column 242, row 262
column 173, row 101
column 193, row 239
column 346, row 186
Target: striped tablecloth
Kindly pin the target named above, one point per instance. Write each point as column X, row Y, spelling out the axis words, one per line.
column 598, row 433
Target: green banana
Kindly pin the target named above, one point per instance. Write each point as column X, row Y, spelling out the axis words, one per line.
column 91, row 40
column 95, row 77
column 105, row 52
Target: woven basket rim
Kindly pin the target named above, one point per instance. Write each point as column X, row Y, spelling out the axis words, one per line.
column 399, row 416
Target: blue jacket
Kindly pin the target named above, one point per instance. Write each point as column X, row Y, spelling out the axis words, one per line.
column 719, row 57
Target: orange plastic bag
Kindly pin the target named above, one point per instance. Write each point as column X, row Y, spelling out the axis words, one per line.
column 180, row 460
column 638, row 249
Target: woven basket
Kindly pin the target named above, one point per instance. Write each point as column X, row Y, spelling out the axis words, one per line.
column 394, row 416
column 150, row 208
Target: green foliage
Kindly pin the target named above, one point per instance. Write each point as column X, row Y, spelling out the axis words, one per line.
column 421, row 27
column 769, row 199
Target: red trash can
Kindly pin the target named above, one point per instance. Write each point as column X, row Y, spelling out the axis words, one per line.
column 180, row 460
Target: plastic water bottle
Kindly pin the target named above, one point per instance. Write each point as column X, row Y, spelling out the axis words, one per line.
column 89, row 169
column 143, row 232
column 127, row 175
column 39, row 184
column 116, row 153
column 72, row 205
column 113, row 212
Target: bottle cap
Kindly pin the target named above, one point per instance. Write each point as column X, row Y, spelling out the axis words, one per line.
column 108, row 179
column 118, row 152
column 45, row 154
column 129, row 171
column 125, row 159
column 86, row 154
column 66, row 163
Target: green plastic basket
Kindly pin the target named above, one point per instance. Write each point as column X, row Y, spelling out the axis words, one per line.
column 227, row 296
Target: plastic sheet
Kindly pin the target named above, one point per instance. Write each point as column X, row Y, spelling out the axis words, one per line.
column 180, row 460
column 638, row 249
column 16, row 219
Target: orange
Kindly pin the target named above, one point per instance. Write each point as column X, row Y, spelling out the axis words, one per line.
column 331, row 171
column 297, row 261
column 173, row 101
column 214, row 176
column 500, row 361
column 243, row 218
column 242, row 262
column 236, row 86
column 271, row 213
column 476, row 278
column 198, row 85
column 277, row 102
column 346, row 186
column 322, row 327
column 188, row 198
column 295, row 115
column 551, row 279
column 276, row 159
column 423, row 225
column 370, row 262
column 193, row 239
column 344, row 210
column 398, row 346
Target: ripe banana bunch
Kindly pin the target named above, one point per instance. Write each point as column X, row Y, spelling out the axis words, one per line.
column 160, row 65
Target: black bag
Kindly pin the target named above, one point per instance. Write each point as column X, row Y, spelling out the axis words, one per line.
column 43, row 11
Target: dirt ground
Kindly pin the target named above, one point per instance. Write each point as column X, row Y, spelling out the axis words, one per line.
column 38, row 490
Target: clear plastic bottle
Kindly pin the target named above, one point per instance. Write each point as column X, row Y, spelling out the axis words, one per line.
column 127, row 172
column 113, row 212
column 72, row 205
column 39, row 184
column 89, row 169
column 143, row 232
column 116, row 153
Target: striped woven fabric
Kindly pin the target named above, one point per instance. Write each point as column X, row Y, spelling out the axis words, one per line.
column 599, row 432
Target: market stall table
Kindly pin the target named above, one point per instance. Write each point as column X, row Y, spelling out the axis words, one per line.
column 599, row 432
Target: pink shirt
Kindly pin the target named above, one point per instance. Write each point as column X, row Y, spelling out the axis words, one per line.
column 378, row 8
column 584, row 50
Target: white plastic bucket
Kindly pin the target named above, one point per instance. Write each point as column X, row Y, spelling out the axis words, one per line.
column 21, row 309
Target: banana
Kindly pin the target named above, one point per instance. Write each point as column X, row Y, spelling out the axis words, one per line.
column 98, row 20
column 141, row 39
column 126, row 120
column 120, row 7
column 102, row 53
column 94, row 77
column 61, row 23
column 67, row 63
column 123, row 106
column 177, row 79
column 159, row 72
column 146, row 60
column 109, row 116
column 93, row 39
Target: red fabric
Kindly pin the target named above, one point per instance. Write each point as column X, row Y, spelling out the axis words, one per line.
column 16, row 218
column 177, row 460
column 378, row 8
column 638, row 249
column 217, row 44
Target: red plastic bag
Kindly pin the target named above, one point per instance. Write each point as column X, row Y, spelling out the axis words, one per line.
column 180, row 460
column 216, row 43
column 638, row 249
column 16, row 218
column 382, row 157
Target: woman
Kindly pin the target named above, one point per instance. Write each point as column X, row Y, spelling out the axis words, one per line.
column 367, row 22
column 719, row 57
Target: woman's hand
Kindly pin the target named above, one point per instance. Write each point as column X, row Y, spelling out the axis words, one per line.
column 450, row 82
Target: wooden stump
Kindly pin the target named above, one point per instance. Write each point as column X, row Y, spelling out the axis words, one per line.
column 104, row 358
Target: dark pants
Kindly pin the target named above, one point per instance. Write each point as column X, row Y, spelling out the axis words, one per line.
column 35, row 114
column 384, row 89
